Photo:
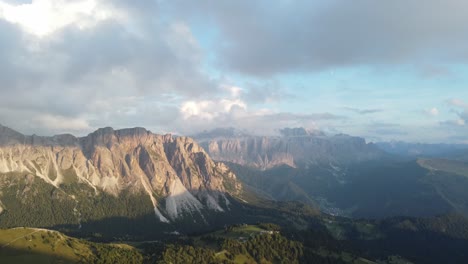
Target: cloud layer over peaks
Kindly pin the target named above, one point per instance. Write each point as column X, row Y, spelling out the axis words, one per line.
column 93, row 62
column 385, row 70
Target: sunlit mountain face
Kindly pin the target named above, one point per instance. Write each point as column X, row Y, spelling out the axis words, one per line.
column 233, row 132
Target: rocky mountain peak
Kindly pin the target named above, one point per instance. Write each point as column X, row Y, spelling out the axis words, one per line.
column 174, row 169
column 9, row 136
column 296, row 147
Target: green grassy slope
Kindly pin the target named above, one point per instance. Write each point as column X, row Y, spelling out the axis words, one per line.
column 31, row 245
column 445, row 165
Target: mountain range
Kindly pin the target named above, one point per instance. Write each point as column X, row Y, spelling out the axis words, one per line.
column 134, row 185
column 345, row 175
column 294, row 147
column 109, row 173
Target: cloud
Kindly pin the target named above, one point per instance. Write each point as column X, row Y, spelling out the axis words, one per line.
column 42, row 18
column 74, row 66
column 363, row 111
column 451, row 123
column 210, row 109
column 95, row 63
column 461, row 112
column 463, row 118
column 457, row 102
column 432, row 112
column 291, row 36
column 231, row 110
column 456, row 126
column 62, row 123
column 261, row 122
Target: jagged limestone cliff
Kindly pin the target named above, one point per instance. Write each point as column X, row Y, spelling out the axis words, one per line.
column 294, row 147
column 174, row 172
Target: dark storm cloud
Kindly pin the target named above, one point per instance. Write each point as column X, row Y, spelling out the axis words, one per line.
column 268, row 37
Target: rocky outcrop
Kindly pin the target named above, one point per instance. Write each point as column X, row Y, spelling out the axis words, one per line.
column 295, row 147
column 175, row 170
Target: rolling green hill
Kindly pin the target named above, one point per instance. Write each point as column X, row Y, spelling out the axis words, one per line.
column 328, row 239
column 32, row 245
column 263, row 243
column 445, row 165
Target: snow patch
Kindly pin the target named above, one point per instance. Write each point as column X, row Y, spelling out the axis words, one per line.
column 180, row 200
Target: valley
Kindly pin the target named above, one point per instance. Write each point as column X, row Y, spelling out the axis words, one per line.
column 233, row 132
column 131, row 195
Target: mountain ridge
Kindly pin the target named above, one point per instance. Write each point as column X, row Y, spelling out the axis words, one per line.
column 295, row 147
column 174, row 172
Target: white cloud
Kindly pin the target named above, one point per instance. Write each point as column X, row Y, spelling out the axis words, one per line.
column 197, row 109
column 458, row 103
column 461, row 113
column 232, row 110
column 234, row 91
column 43, row 17
column 433, row 112
column 210, row 109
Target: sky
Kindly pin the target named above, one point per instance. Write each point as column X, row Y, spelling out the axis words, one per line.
column 383, row 70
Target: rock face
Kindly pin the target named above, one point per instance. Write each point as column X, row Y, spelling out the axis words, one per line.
column 175, row 172
column 295, row 147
